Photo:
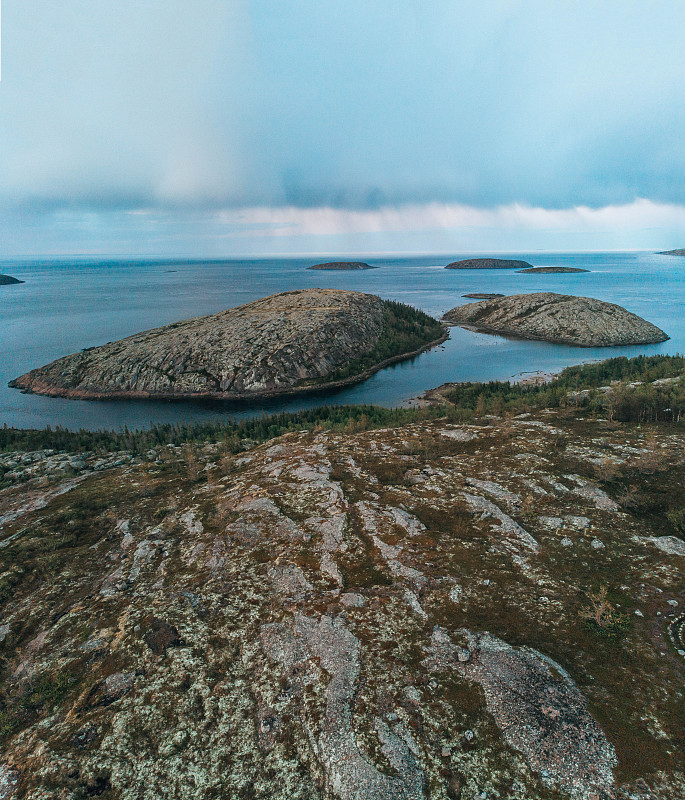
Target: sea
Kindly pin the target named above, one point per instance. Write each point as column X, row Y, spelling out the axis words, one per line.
column 66, row 304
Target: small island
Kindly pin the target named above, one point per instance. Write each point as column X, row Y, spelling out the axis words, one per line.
column 680, row 252
column 339, row 266
column 551, row 270
column 8, row 280
column 488, row 263
column 483, row 295
column 288, row 343
column 558, row 318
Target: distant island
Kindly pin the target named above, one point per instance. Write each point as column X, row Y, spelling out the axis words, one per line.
column 343, row 265
column 545, row 270
column 287, row 343
column 672, row 253
column 559, row 318
column 488, row 263
column 8, row 280
column 483, row 295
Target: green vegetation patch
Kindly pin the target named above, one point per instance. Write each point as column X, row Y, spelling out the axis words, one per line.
column 626, row 402
column 467, row 400
column 233, row 435
column 405, row 330
column 657, row 503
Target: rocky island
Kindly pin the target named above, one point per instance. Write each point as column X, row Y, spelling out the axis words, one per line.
column 488, row 263
column 415, row 609
column 343, row 265
column 8, row 280
column 483, row 295
column 551, row 270
column 283, row 344
column 560, row 318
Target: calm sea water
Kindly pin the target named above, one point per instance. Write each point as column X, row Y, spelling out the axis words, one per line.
column 66, row 305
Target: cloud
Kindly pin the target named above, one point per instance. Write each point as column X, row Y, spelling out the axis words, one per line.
column 640, row 215
column 430, row 227
column 356, row 105
column 318, row 119
column 108, row 105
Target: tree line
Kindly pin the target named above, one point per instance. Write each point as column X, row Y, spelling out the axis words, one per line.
column 633, row 398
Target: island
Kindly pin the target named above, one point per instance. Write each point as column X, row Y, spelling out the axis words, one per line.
column 339, row 266
column 488, row 263
column 8, row 280
column 483, row 295
column 672, row 253
column 287, row 343
column 551, row 270
column 559, row 318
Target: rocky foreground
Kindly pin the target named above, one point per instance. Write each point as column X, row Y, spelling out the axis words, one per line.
column 560, row 318
column 488, row 263
column 402, row 613
column 282, row 344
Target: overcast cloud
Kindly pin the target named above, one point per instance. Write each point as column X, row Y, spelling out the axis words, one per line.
column 223, row 126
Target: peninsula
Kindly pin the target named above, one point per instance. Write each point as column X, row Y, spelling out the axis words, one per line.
column 341, row 266
column 282, row 344
column 488, row 263
column 559, row 318
column 8, row 280
column 680, row 252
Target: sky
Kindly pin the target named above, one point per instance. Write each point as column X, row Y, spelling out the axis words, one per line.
column 238, row 127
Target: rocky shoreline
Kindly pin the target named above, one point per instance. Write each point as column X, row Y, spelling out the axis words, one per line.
column 283, row 345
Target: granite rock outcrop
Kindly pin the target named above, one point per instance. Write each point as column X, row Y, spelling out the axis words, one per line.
column 285, row 343
column 560, row 318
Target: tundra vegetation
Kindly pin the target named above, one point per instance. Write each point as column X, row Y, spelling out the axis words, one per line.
column 353, row 603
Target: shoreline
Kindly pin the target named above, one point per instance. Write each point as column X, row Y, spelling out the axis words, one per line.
column 507, row 333
column 238, row 399
column 436, row 395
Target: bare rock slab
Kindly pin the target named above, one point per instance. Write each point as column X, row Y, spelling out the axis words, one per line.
column 283, row 344
column 559, row 318
column 538, row 708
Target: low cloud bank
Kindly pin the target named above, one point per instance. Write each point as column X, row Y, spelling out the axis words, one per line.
column 291, row 221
